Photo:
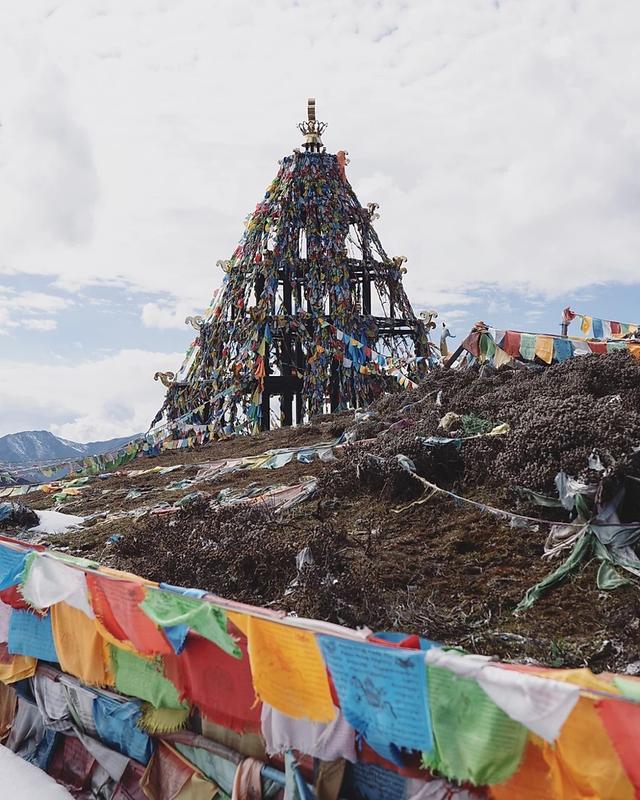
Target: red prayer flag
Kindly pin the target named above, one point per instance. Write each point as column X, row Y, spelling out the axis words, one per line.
column 511, row 344
column 219, row 684
column 615, row 327
column 621, row 721
column 598, row 347
column 116, row 604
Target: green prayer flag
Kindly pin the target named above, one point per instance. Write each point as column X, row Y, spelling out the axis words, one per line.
column 608, row 577
column 474, row 740
column 143, row 678
column 168, row 609
column 581, row 548
column 629, row 687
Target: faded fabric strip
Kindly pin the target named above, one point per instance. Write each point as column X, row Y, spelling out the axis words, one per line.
column 249, row 745
column 8, row 708
column 27, row 730
column 326, row 741
column 31, row 635
column 129, row 786
column 288, row 670
column 80, row 703
column 218, row 769
column 528, row 346
column 72, row 764
column 143, row 678
column 116, row 724
column 5, row 616
column 116, row 604
column 48, row 581
column 219, row 684
column 166, row 775
column 544, row 348
column 383, row 693
column 168, row 609
column 80, row 647
column 15, row 668
column 52, row 702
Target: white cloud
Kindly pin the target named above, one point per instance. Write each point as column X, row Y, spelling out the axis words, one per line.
column 501, row 139
column 26, row 309
column 168, row 316
column 87, row 400
column 40, row 324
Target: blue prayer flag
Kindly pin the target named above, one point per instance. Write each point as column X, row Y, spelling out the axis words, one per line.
column 31, row 635
column 383, row 693
column 11, row 566
column 562, row 349
column 116, row 724
column 598, row 328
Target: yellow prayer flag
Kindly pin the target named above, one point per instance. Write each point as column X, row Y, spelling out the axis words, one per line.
column 544, row 348
column 585, row 324
column 288, row 670
column 81, row 650
column 634, row 349
column 19, row 667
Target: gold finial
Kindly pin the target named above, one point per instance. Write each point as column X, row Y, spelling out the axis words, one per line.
column 312, row 130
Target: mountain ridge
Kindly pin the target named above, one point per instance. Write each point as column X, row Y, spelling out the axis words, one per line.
column 30, row 447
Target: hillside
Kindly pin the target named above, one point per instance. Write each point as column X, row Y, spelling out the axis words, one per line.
column 355, row 537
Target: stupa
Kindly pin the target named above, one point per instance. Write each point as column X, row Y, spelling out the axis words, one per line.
column 312, row 315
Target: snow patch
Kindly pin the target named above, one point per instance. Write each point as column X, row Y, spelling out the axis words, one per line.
column 27, row 781
column 56, row 522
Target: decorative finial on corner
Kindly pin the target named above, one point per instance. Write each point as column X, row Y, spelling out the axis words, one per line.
column 312, row 129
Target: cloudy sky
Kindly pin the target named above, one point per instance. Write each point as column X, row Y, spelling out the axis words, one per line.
column 501, row 139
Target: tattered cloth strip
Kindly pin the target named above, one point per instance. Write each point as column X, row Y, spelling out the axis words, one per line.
column 288, row 670
column 610, row 543
column 80, row 647
column 8, row 707
column 142, row 677
column 326, row 741
column 169, row 776
column 72, row 764
column 27, row 730
column 48, row 580
column 116, row 605
column 218, row 683
column 5, row 616
column 52, row 701
column 15, row 668
column 169, row 609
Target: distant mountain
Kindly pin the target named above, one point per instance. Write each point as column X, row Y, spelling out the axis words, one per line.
column 30, row 447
